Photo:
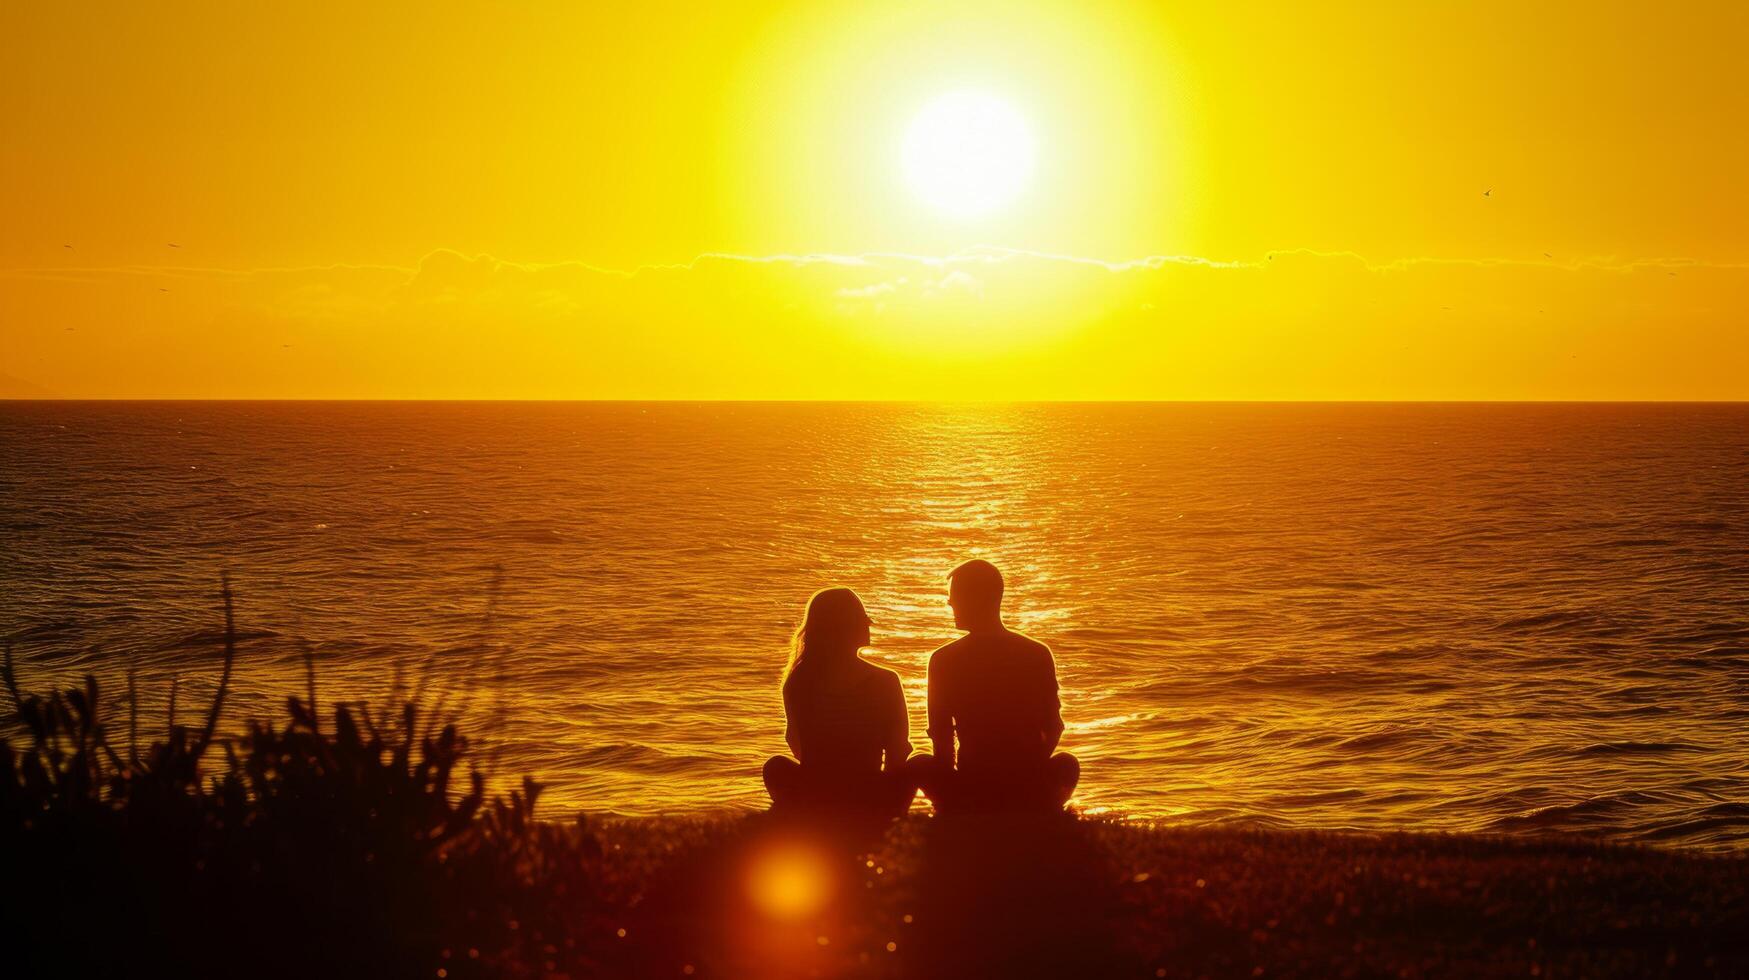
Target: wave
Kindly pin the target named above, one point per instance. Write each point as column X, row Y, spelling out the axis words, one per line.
column 529, row 535
column 1545, row 621
column 1719, row 824
column 54, row 630
column 216, row 637
column 637, row 757
column 1325, row 798
column 1585, row 814
column 1378, row 741
column 1639, row 748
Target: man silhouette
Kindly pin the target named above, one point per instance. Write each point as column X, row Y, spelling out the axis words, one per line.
column 996, row 691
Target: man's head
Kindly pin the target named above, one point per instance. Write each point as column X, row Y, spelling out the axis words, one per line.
column 974, row 590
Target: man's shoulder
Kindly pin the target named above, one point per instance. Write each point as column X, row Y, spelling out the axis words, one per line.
column 1025, row 644
column 950, row 651
column 1003, row 643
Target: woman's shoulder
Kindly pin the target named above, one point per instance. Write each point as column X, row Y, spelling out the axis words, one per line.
column 877, row 675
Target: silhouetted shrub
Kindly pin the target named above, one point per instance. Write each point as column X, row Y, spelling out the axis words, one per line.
column 362, row 850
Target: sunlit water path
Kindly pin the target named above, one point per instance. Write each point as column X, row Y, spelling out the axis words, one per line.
column 1451, row 617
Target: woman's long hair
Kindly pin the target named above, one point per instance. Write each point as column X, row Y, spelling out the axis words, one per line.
column 835, row 618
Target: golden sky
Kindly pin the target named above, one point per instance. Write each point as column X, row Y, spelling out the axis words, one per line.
column 1224, row 200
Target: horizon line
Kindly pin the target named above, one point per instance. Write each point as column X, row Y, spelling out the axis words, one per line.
column 104, row 399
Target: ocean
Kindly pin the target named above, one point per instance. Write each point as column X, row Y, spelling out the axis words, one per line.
column 1497, row 618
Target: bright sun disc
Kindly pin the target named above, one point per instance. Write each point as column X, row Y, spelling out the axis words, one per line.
column 968, row 154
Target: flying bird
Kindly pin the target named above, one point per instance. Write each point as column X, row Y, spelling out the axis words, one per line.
column 1488, row 193
column 1547, row 255
column 174, row 245
column 66, row 246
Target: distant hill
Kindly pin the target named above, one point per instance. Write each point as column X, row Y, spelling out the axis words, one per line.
column 12, row 388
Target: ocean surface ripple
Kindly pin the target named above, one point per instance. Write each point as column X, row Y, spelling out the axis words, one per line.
column 1502, row 618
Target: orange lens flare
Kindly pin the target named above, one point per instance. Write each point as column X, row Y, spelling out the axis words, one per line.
column 789, row 880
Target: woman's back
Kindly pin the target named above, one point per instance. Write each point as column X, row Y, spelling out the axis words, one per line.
column 845, row 715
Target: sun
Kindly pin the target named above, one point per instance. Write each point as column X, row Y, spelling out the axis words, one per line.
column 968, row 154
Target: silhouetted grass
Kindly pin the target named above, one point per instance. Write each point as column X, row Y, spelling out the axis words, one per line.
column 364, row 850
column 365, row 844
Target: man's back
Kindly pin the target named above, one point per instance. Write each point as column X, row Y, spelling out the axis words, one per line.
column 998, row 690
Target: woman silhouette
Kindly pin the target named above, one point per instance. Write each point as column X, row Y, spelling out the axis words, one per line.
column 846, row 720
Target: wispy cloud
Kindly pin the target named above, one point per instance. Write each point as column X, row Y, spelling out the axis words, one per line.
column 482, row 267
column 1288, row 323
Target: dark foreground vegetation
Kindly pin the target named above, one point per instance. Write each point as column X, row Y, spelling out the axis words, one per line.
column 353, row 844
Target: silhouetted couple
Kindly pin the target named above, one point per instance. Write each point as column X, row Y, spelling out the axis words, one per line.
column 994, row 690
